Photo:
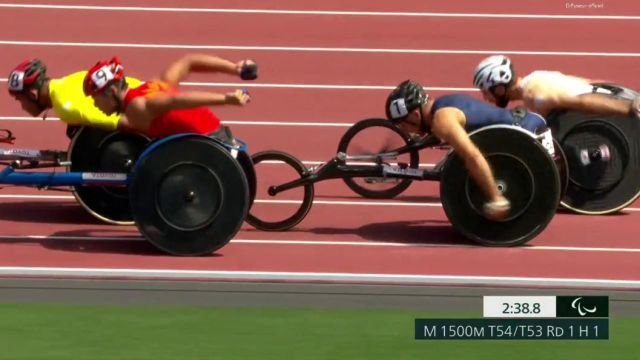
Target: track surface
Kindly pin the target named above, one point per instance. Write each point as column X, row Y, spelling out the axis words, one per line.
column 319, row 74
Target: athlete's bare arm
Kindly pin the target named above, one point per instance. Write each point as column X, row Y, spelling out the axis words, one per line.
column 543, row 97
column 448, row 125
column 152, row 107
column 594, row 103
column 180, row 69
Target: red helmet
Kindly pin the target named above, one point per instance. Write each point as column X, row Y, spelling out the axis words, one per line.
column 27, row 75
column 101, row 75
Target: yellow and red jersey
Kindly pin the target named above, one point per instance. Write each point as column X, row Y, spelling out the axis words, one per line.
column 200, row 120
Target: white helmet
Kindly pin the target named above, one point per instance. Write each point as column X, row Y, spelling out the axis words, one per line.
column 492, row 71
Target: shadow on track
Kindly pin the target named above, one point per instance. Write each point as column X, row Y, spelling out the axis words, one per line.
column 46, row 212
column 437, row 232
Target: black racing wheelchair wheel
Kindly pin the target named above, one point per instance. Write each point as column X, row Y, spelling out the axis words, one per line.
column 560, row 159
column 189, row 196
column 525, row 174
column 225, row 136
column 98, row 150
column 250, row 173
column 603, row 169
column 276, row 158
column 603, row 153
column 396, row 138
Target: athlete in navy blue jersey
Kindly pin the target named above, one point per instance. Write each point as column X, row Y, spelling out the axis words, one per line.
column 450, row 118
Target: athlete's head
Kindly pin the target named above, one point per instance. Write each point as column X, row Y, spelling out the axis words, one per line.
column 104, row 82
column 25, row 82
column 494, row 76
column 404, row 107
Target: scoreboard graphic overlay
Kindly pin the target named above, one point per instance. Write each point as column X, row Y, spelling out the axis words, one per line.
column 526, row 318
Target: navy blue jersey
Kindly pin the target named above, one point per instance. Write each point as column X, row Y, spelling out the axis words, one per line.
column 480, row 114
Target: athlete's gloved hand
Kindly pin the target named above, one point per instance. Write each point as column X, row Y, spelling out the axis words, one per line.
column 248, row 69
column 238, row 97
column 498, row 209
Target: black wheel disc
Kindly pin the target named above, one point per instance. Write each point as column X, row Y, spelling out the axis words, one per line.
column 529, row 179
column 97, row 150
column 189, row 196
column 200, row 194
column 515, row 182
column 603, row 168
column 250, row 173
column 560, row 159
column 591, row 168
column 603, row 153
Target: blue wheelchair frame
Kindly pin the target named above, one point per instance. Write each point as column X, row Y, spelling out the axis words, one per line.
column 9, row 175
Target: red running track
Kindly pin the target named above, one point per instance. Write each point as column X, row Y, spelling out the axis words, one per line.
column 345, row 237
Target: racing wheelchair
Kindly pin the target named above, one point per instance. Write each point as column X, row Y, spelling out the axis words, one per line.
column 187, row 194
column 527, row 169
column 602, row 157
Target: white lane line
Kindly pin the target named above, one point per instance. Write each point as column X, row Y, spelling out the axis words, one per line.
column 329, row 12
column 311, row 86
column 367, row 203
column 266, row 201
column 317, row 49
column 452, row 246
column 27, row 238
column 318, row 276
column 259, row 201
column 43, row 197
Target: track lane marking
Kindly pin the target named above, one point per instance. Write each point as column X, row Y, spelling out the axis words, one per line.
column 319, row 12
column 27, row 238
column 316, row 49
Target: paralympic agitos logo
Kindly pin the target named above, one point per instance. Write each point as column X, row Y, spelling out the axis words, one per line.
column 582, row 306
column 577, row 304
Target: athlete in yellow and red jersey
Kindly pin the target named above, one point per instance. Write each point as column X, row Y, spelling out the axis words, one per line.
column 157, row 108
column 37, row 93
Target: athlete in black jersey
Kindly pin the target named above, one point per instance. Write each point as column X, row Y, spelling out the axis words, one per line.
column 450, row 118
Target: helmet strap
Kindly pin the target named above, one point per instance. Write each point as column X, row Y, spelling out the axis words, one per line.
column 424, row 127
column 119, row 105
column 501, row 100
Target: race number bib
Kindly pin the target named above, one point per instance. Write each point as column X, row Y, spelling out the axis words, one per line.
column 102, row 76
column 398, row 108
column 16, row 81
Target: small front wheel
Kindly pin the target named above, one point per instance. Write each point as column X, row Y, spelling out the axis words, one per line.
column 277, row 167
column 371, row 132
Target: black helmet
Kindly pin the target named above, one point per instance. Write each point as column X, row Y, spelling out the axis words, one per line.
column 405, row 98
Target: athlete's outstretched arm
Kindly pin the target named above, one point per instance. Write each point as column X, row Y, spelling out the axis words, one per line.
column 161, row 104
column 447, row 125
column 595, row 103
column 181, row 68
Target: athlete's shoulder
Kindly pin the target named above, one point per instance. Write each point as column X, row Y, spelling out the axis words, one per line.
column 132, row 82
column 68, row 82
column 544, row 75
column 453, row 100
